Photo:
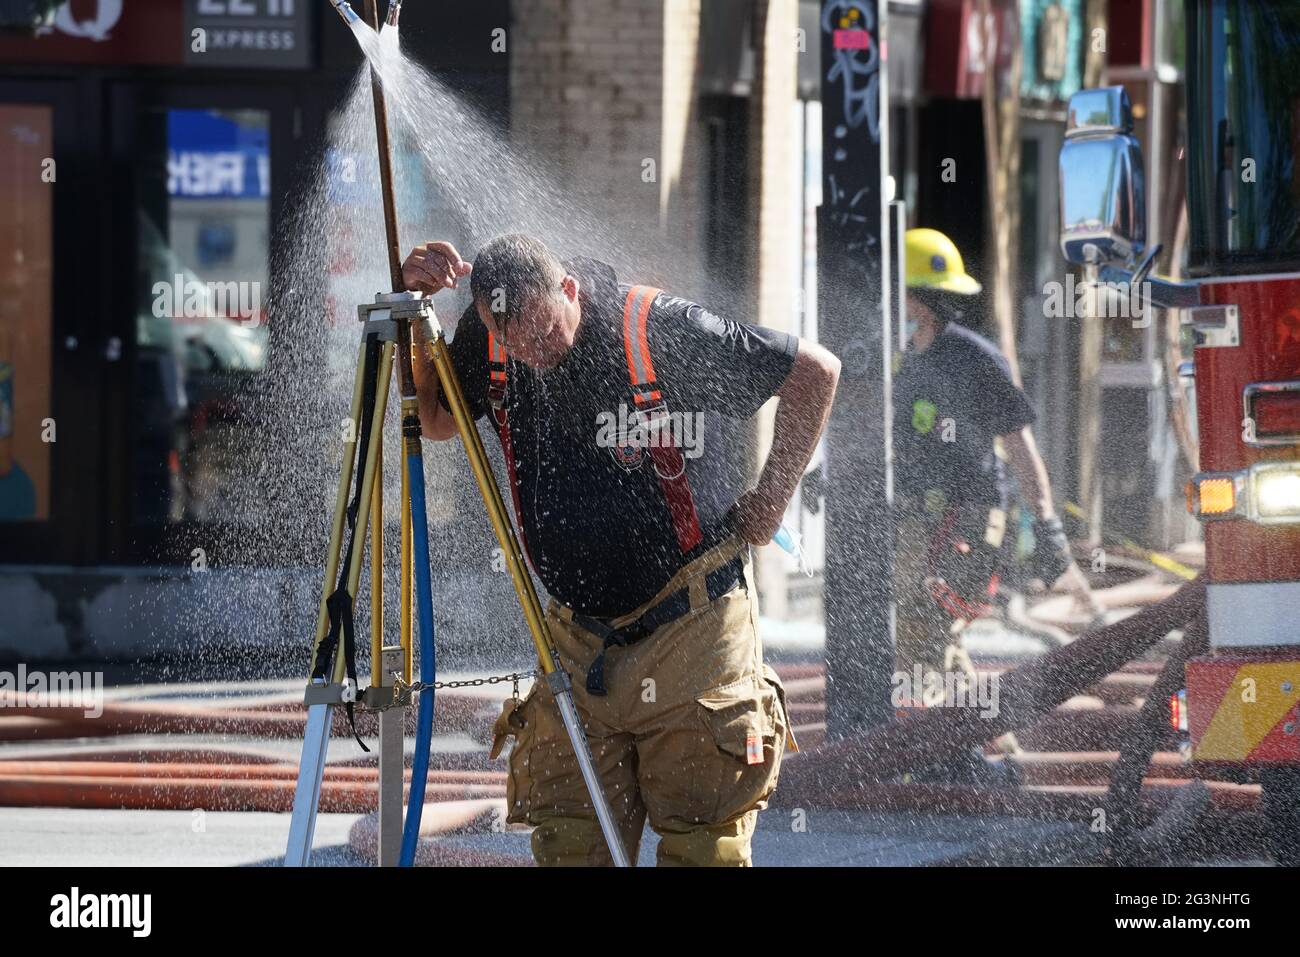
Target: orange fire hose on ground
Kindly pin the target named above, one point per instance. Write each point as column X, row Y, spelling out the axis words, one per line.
column 1076, row 745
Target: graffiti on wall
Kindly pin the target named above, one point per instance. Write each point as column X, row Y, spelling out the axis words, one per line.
column 851, row 114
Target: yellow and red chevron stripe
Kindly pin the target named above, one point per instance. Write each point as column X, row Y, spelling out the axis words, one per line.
column 1244, row 709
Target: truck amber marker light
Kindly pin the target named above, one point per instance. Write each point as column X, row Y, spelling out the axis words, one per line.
column 1213, row 496
column 1267, row 493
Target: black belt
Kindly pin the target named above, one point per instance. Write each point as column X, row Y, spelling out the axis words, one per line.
column 716, row 583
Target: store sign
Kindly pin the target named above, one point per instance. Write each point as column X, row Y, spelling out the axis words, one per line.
column 213, row 157
column 104, row 16
column 962, row 47
column 103, row 32
column 276, row 34
column 229, row 174
column 253, row 33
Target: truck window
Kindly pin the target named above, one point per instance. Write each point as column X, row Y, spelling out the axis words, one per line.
column 1243, row 115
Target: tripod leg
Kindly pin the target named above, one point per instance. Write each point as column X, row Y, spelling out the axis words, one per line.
column 340, row 504
column 315, row 744
column 311, row 767
column 377, row 567
column 306, row 797
column 367, row 483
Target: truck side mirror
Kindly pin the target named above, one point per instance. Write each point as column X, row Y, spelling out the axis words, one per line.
column 1103, row 191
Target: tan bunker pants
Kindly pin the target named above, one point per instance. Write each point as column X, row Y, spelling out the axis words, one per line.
column 690, row 734
column 926, row 633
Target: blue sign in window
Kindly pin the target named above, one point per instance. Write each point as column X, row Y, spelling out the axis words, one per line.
column 210, row 156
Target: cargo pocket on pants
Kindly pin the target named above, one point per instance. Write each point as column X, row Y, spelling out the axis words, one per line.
column 522, row 727
column 784, row 724
column 746, row 723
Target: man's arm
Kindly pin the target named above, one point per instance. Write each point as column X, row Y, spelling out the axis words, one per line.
column 1030, row 471
column 1052, row 552
column 435, row 422
column 429, row 268
column 804, row 405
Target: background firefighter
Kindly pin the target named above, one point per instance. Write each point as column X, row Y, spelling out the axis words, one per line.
column 958, row 412
column 643, row 545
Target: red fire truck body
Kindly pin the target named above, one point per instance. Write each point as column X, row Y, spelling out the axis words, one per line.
column 1242, row 309
column 1244, row 699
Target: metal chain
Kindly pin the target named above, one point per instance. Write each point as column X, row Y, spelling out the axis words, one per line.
column 419, row 686
column 403, row 693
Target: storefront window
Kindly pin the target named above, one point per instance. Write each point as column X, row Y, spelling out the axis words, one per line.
column 26, row 232
column 1244, row 117
column 203, row 225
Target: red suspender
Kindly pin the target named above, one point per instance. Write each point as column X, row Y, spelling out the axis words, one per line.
column 665, row 454
column 501, row 419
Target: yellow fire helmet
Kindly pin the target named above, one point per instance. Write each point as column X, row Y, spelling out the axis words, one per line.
column 933, row 262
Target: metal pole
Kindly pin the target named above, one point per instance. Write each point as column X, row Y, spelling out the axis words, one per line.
column 392, row 738
column 852, row 282
column 386, row 171
column 384, row 663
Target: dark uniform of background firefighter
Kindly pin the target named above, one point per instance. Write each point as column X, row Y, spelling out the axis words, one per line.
column 958, row 414
column 640, row 535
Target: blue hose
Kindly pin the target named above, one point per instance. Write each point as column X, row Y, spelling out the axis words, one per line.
column 428, row 664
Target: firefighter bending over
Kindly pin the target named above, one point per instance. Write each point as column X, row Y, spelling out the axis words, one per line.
column 608, row 399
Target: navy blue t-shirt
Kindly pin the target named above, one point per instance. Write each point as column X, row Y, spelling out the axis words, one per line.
column 595, row 520
column 950, row 401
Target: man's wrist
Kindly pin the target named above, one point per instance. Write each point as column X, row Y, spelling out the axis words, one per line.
column 774, row 498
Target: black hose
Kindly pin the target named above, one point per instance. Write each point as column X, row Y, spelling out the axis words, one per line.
column 1151, row 728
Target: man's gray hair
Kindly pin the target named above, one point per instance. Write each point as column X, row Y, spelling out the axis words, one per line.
column 513, row 272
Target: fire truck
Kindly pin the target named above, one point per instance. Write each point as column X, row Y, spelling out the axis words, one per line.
column 1241, row 306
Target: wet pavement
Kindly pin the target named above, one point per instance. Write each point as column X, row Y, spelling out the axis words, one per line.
column 55, row 837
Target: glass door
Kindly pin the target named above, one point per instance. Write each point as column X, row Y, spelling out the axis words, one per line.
column 46, row 375
column 204, row 170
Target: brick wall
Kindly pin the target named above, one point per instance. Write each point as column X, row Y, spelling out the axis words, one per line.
column 601, row 88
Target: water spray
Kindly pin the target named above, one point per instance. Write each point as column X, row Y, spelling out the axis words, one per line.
column 387, row 341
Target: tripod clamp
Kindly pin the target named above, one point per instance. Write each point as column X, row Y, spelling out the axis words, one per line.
column 382, row 316
column 318, row 692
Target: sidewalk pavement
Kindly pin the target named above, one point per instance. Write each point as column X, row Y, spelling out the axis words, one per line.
column 60, row 837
